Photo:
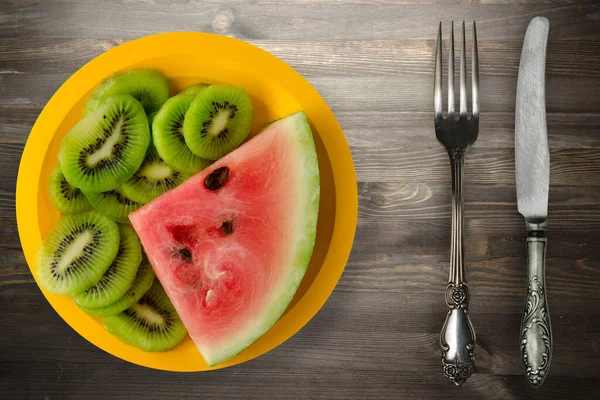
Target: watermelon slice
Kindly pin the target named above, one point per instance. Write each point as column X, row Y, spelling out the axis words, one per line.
column 231, row 244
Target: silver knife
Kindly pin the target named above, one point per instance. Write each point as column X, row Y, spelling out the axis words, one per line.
column 532, row 162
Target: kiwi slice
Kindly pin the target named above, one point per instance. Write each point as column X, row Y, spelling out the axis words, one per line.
column 146, row 85
column 118, row 277
column 154, row 178
column 217, row 121
column 77, row 252
column 66, row 198
column 106, row 148
column 194, row 89
column 114, row 204
column 151, row 324
column 167, row 134
column 142, row 282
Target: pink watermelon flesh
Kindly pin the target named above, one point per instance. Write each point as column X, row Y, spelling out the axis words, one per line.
column 231, row 259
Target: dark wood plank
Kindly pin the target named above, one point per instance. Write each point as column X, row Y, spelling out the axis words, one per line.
column 386, row 58
column 372, row 61
column 330, row 358
column 285, row 20
column 483, row 166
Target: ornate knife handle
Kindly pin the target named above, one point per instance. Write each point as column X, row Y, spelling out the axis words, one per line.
column 458, row 336
column 536, row 331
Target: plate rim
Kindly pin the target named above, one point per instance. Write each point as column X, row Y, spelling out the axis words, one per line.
column 344, row 175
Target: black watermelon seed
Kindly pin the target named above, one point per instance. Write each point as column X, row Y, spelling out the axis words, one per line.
column 185, row 255
column 217, row 178
column 227, row 227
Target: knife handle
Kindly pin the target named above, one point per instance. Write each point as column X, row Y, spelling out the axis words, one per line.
column 536, row 331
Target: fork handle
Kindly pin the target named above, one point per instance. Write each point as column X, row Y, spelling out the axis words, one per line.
column 536, row 331
column 458, row 336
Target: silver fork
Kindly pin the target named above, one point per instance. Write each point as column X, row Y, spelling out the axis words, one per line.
column 457, row 133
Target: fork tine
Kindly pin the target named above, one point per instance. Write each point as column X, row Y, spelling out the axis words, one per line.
column 463, row 75
column 475, row 75
column 451, row 74
column 437, row 82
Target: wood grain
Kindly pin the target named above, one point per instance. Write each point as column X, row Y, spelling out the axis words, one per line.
column 283, row 20
column 372, row 61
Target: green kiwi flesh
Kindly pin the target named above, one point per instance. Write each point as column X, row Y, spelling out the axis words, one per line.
column 218, row 121
column 167, row 134
column 77, row 252
column 154, row 178
column 194, row 89
column 106, row 148
column 146, row 85
column 151, row 324
column 119, row 276
column 113, row 204
column 66, row 198
column 142, row 282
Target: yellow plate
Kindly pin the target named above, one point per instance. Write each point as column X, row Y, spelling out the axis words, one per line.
column 276, row 91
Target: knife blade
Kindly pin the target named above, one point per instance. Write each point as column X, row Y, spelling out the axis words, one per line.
column 532, row 165
column 532, row 159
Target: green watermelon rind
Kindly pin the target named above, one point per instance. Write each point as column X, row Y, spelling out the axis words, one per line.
column 307, row 214
column 306, row 220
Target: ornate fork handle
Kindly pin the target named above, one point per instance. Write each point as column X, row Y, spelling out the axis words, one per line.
column 458, row 336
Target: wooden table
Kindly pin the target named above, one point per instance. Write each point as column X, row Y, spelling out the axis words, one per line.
column 372, row 61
